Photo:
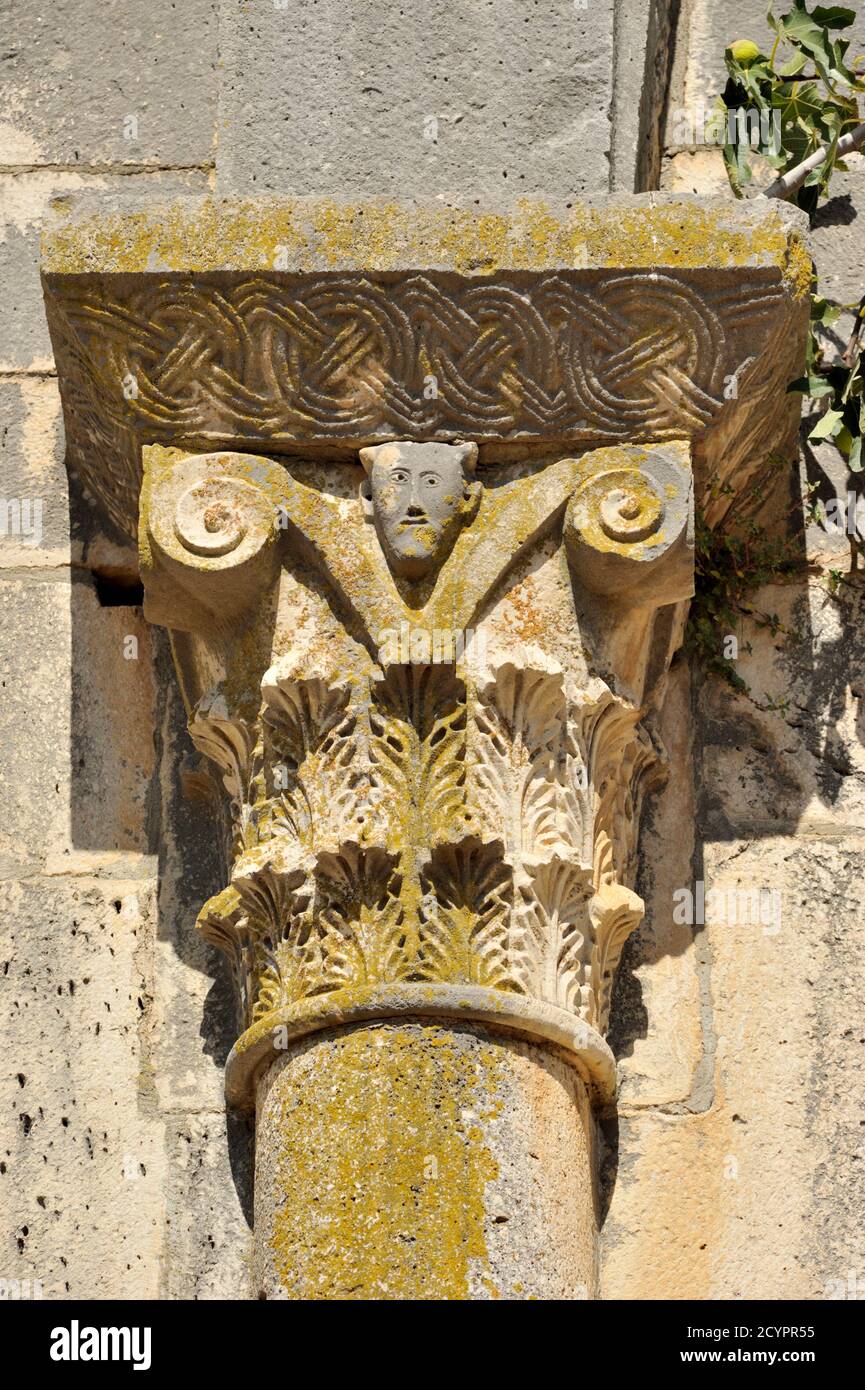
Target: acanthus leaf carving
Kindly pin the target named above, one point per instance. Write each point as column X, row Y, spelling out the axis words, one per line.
column 523, row 773
column 615, row 912
column 359, row 905
column 554, row 931
column 231, row 742
column 466, row 914
column 417, row 716
column 317, row 784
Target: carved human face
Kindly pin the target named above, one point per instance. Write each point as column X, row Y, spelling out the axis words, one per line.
column 421, row 494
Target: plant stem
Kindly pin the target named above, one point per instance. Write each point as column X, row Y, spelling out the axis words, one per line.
column 792, row 181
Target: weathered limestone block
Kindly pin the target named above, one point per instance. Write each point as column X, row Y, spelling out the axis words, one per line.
column 34, row 489
column 770, row 1139
column 25, row 196
column 127, row 84
column 657, row 1032
column 67, row 789
column 208, row 1233
column 789, row 759
column 476, row 105
column 645, row 37
column 35, row 721
column 82, row 1176
column 753, row 1193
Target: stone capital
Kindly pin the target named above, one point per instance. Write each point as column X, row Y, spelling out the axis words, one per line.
column 414, row 492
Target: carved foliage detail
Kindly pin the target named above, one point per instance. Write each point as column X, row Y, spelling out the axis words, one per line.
column 232, row 744
column 526, row 772
column 417, row 720
column 362, row 918
column 414, row 827
column 553, row 934
column 311, row 756
column 465, row 916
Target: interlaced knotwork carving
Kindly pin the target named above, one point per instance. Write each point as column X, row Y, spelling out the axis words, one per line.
column 602, row 358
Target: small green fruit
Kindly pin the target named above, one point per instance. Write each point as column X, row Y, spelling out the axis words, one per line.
column 745, row 52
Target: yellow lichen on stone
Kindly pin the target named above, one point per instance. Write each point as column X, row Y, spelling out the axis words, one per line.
column 381, row 1176
column 208, row 235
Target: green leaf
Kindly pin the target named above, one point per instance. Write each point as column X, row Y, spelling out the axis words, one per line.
column 806, row 31
column 823, row 310
column 827, row 425
column 833, row 16
column 813, row 386
column 796, row 64
column 739, row 171
column 855, row 460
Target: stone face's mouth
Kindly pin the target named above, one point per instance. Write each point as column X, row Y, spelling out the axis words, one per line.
column 415, row 521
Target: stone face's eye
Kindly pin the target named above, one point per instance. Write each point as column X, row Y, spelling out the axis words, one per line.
column 399, row 475
column 431, row 480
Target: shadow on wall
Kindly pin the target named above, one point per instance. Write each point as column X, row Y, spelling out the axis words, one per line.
column 140, row 787
column 754, row 771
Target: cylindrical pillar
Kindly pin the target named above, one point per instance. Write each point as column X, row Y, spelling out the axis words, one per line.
column 423, row 1159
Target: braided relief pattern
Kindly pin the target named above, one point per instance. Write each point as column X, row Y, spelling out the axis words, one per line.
column 587, row 356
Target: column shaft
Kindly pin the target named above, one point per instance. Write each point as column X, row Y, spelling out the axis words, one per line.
column 423, row 1160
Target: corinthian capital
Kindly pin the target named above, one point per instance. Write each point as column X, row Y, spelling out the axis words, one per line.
column 444, row 826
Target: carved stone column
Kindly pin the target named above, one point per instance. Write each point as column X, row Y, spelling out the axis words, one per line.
column 422, row 532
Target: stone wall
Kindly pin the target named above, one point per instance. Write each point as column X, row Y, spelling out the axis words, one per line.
column 740, row 1135
column 118, row 1177
column 734, row 1170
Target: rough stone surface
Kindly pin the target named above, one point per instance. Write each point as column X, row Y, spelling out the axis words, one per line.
column 747, row 1189
column 466, row 105
column 33, row 474
column 208, row 1204
column 67, row 788
column 422, row 1161
column 755, row 1196
column 25, row 195
column 125, row 84
column 81, row 1140
column 799, row 769
column 657, row 1027
column 643, row 40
